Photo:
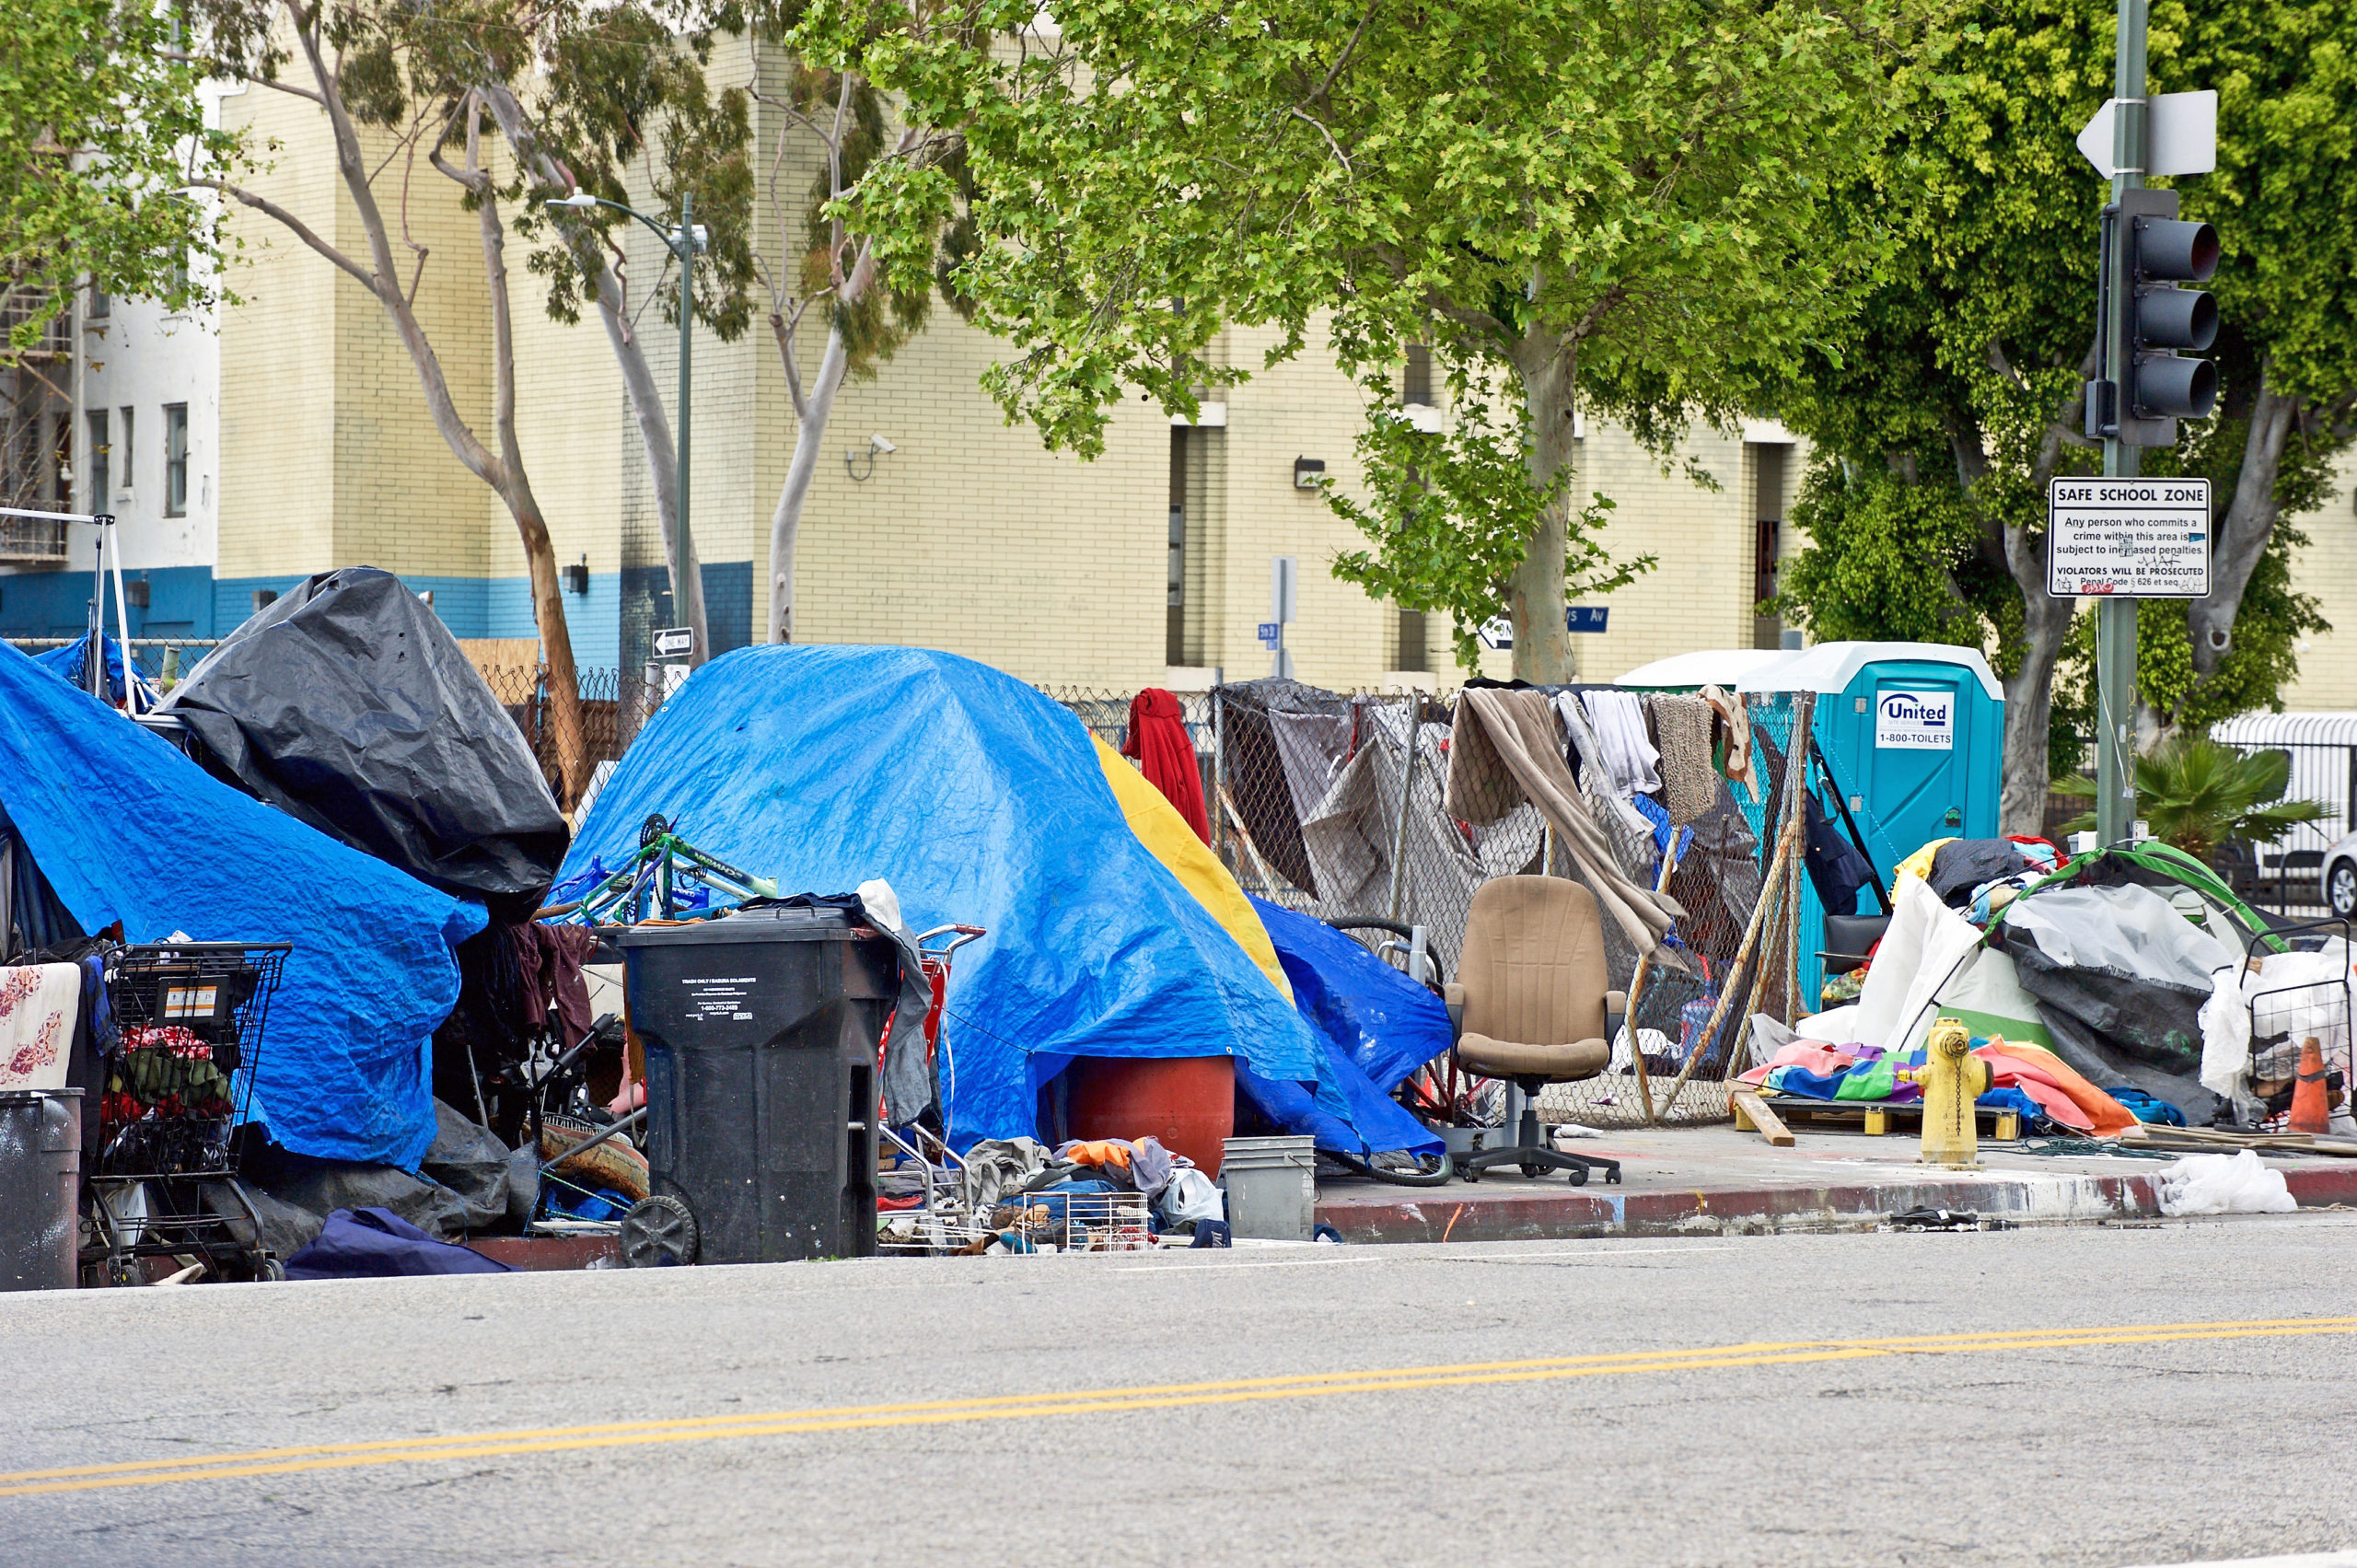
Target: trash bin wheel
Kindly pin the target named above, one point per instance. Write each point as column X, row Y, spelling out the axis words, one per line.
column 658, row 1230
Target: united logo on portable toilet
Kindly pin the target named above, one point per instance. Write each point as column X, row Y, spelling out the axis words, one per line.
column 1915, row 721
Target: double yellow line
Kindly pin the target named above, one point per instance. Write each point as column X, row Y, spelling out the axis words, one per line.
column 1097, row 1401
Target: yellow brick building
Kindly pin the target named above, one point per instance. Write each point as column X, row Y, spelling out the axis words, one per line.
column 969, row 536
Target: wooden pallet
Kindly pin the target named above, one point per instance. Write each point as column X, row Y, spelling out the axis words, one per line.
column 1875, row 1117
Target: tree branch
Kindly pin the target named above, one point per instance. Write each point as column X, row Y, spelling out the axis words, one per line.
column 1337, row 146
column 293, row 224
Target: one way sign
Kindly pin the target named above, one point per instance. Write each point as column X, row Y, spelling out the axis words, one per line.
column 675, row 642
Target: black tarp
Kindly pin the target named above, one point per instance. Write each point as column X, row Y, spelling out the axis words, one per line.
column 348, row 705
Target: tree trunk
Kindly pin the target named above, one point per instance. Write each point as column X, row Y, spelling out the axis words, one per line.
column 2030, row 708
column 638, row 380
column 570, row 733
column 2243, row 533
column 1535, row 597
column 786, row 524
column 662, row 464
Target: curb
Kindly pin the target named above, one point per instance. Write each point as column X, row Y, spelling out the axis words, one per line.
column 1467, row 1213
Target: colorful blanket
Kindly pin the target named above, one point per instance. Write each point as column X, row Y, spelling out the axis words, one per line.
column 2024, row 1077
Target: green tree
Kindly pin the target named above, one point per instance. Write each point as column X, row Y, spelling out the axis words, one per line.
column 408, row 89
column 101, row 138
column 1622, row 204
column 1954, row 395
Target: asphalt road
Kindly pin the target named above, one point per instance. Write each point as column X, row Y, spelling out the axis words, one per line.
column 2103, row 1396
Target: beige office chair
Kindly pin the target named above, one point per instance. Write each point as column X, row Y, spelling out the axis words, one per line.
column 1529, row 1005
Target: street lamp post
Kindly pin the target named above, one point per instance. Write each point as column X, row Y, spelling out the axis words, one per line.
column 682, row 242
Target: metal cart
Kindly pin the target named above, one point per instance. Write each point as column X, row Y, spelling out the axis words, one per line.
column 162, row 1183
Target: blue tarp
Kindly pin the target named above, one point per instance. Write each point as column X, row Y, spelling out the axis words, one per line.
column 1379, row 1024
column 980, row 801
column 1386, row 1025
column 72, row 664
column 127, row 829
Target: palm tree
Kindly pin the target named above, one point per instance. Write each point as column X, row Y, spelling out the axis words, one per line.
column 2196, row 794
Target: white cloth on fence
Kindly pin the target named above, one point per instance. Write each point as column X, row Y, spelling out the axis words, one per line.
column 1507, row 748
column 1620, row 720
column 1628, row 830
column 38, row 1007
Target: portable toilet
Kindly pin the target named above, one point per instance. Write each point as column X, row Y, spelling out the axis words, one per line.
column 1912, row 737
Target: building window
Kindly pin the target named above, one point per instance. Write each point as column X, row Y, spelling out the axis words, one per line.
column 101, row 302
column 61, row 464
column 96, row 463
column 129, row 447
column 176, row 460
column 1414, row 656
column 1416, row 385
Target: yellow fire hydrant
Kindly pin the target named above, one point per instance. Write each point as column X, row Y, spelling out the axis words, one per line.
column 1952, row 1078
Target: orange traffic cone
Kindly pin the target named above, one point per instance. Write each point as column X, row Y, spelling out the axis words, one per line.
column 2310, row 1114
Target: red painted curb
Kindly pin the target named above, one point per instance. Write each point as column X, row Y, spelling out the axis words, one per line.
column 537, row 1253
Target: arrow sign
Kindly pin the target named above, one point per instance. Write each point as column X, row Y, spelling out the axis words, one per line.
column 675, row 642
column 2181, row 134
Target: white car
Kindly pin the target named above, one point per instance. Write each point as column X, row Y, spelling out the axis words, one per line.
column 2338, row 876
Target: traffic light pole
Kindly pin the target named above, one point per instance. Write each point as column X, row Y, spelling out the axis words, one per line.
column 2116, row 618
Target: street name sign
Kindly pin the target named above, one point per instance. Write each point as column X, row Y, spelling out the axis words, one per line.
column 2127, row 537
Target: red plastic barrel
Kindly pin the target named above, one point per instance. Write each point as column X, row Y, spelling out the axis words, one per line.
column 1187, row 1102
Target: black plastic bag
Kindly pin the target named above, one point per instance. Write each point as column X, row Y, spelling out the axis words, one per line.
column 348, row 705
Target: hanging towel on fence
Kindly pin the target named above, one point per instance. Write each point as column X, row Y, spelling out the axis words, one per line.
column 1620, row 719
column 1504, row 750
column 1688, row 782
column 1157, row 738
column 1734, row 727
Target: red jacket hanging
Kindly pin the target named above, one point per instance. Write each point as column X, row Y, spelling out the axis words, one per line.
column 1157, row 738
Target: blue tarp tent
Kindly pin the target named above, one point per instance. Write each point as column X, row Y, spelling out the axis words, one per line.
column 981, row 801
column 127, row 829
column 1379, row 1027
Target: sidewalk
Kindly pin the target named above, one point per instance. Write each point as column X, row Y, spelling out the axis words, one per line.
column 1715, row 1181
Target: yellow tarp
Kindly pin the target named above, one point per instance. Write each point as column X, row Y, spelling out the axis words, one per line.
column 1168, row 838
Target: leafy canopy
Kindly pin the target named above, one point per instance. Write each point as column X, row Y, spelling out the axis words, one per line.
column 101, row 133
column 1626, row 194
column 1941, row 408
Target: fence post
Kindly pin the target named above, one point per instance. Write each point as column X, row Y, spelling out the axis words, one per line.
column 1219, row 761
column 1407, row 793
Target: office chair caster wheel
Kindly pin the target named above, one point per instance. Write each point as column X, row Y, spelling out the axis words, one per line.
column 1579, row 1176
column 1534, row 1171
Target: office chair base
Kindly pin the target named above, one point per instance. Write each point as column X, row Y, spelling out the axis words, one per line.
column 1537, row 1161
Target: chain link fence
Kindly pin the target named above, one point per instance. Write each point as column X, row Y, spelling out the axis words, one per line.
column 1334, row 804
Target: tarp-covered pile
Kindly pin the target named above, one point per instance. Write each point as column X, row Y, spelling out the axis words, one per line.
column 2130, row 967
column 980, row 801
column 347, row 704
column 126, row 828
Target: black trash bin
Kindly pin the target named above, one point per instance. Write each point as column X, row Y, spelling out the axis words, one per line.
column 760, row 1032
column 41, row 1180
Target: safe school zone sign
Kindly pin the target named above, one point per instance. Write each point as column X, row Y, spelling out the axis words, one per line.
column 2127, row 537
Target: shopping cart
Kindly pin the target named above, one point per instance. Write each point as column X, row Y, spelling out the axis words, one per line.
column 179, row 1077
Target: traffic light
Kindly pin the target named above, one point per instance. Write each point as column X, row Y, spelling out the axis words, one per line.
column 2148, row 253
